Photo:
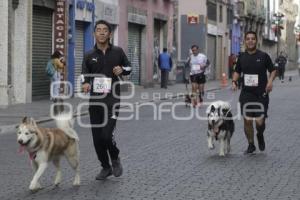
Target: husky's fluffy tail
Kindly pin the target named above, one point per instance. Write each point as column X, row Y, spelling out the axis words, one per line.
column 65, row 122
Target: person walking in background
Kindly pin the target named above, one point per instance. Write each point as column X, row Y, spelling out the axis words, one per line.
column 165, row 66
column 105, row 63
column 281, row 61
column 231, row 64
column 55, row 67
column 198, row 64
column 240, row 79
column 254, row 97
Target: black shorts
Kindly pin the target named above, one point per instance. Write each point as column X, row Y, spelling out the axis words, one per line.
column 198, row 78
column 254, row 106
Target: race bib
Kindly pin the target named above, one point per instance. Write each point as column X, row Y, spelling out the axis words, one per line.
column 251, row 80
column 196, row 67
column 102, row 85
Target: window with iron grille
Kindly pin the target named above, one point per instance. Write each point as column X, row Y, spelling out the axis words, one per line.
column 211, row 11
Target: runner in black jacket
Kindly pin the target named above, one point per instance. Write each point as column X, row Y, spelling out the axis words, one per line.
column 102, row 68
column 254, row 97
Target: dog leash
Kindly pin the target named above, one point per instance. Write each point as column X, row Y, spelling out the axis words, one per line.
column 77, row 112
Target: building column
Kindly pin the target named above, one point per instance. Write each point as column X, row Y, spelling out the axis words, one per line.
column 4, row 100
column 21, row 53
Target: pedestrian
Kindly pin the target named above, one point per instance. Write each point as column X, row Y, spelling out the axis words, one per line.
column 54, row 70
column 101, row 68
column 198, row 64
column 281, row 61
column 165, row 66
column 254, row 97
column 187, row 67
column 231, row 63
column 240, row 79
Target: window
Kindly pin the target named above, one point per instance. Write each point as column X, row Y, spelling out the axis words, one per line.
column 211, row 11
column 220, row 13
column 229, row 16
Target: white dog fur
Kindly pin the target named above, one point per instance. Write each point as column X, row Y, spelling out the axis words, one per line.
column 49, row 144
column 220, row 125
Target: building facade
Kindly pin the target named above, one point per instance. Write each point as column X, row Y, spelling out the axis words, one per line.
column 18, row 59
column 252, row 15
column 28, row 43
column 236, row 31
column 206, row 23
column 141, row 27
column 288, row 43
column 145, row 27
column 80, row 38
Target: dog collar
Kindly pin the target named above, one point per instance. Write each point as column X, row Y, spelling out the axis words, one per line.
column 216, row 130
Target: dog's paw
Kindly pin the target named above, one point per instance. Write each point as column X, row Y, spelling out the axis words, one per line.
column 57, row 179
column 56, row 183
column 76, row 181
column 222, row 154
column 211, row 146
column 35, row 187
column 228, row 149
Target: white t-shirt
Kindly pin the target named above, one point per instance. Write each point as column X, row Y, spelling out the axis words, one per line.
column 198, row 63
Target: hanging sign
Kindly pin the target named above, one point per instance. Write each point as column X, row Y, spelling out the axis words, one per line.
column 192, row 19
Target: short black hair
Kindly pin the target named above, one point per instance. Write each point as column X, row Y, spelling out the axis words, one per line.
column 56, row 54
column 165, row 49
column 194, row 45
column 103, row 22
column 250, row 32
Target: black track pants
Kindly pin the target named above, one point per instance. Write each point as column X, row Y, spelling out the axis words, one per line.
column 103, row 139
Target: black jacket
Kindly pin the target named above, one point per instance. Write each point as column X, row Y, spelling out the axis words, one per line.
column 95, row 63
column 281, row 60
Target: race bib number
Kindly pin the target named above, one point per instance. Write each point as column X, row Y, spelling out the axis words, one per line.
column 196, row 67
column 251, row 80
column 102, row 85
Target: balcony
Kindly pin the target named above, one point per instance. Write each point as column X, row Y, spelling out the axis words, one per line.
column 247, row 8
column 251, row 8
column 261, row 13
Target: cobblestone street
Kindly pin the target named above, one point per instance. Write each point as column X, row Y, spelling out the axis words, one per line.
column 169, row 159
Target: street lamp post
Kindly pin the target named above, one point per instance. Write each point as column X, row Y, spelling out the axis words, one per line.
column 277, row 26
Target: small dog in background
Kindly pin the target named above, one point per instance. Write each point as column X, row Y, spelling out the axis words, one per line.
column 188, row 95
column 49, row 144
column 187, row 100
column 220, row 125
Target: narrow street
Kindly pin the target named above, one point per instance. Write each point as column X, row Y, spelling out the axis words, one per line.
column 169, row 159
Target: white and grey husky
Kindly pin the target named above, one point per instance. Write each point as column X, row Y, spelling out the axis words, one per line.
column 220, row 125
column 49, row 144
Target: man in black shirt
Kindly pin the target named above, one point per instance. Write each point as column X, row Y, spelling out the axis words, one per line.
column 254, row 97
column 102, row 67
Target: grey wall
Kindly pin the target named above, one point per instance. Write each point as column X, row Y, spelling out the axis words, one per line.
column 192, row 34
